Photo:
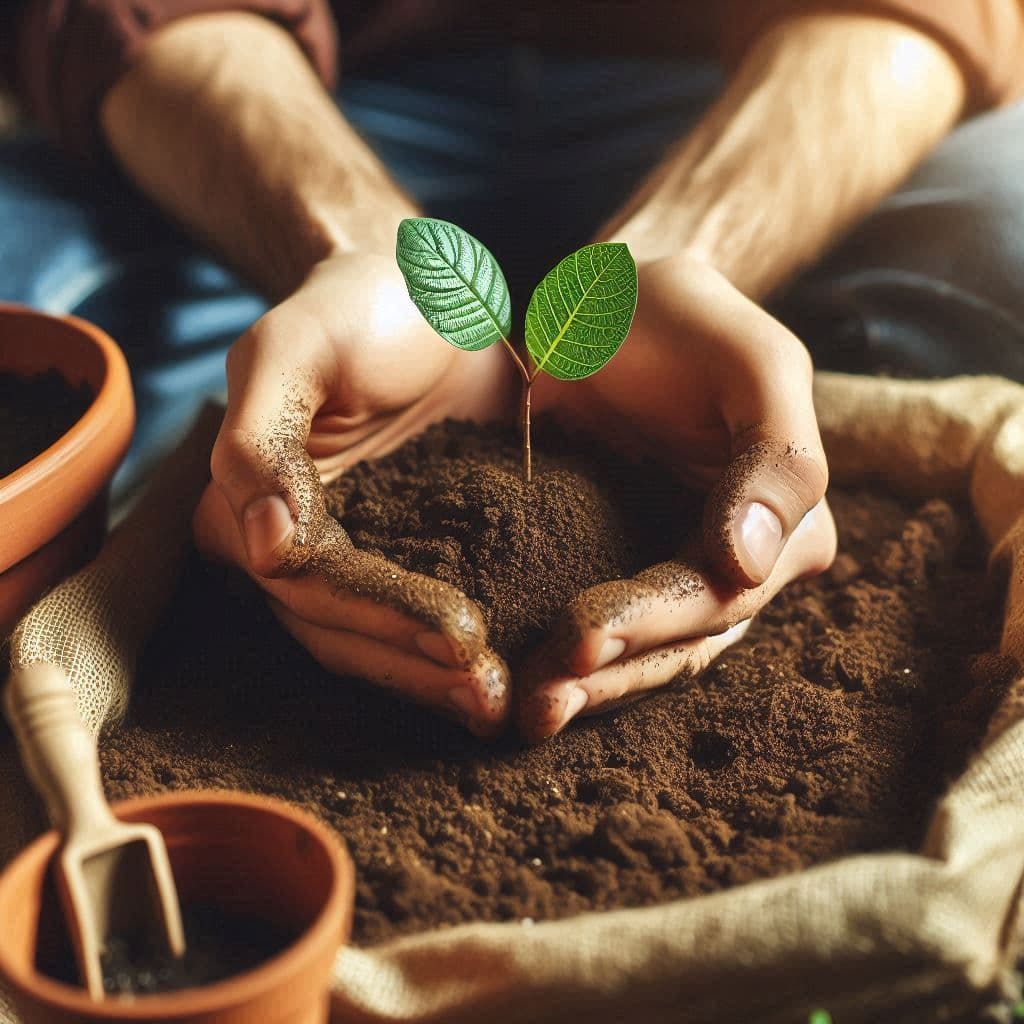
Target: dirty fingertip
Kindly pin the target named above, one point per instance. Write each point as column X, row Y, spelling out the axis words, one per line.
column 550, row 709
column 464, row 631
column 596, row 652
column 482, row 703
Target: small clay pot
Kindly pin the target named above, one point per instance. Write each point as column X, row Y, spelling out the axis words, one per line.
column 53, row 508
column 252, row 857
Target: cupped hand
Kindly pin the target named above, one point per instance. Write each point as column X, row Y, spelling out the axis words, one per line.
column 343, row 370
column 720, row 393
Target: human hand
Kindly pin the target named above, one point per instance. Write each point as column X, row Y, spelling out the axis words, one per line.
column 343, row 370
column 712, row 385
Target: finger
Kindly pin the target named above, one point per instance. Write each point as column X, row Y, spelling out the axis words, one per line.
column 259, row 460
column 777, row 472
column 478, row 695
column 680, row 599
column 552, row 704
column 399, row 608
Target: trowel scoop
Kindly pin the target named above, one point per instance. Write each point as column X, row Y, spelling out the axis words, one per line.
column 114, row 879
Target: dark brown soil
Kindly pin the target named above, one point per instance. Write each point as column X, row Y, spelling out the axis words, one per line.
column 452, row 504
column 35, row 412
column 831, row 729
column 217, row 946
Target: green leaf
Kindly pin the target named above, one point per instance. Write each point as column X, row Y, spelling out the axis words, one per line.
column 580, row 313
column 455, row 282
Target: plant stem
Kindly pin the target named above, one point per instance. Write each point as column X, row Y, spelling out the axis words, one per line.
column 525, row 419
column 527, row 454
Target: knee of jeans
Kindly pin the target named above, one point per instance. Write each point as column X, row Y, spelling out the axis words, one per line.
column 902, row 324
column 933, row 287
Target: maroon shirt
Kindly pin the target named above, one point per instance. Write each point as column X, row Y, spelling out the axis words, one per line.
column 62, row 55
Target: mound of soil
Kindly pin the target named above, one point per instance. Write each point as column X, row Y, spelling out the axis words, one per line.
column 34, row 413
column 831, row 729
column 452, row 504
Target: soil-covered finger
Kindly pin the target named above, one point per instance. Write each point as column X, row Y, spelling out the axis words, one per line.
column 298, row 479
column 551, row 704
column 630, row 614
column 260, row 459
column 477, row 695
column 344, row 588
column 677, row 599
column 371, row 577
column 311, row 599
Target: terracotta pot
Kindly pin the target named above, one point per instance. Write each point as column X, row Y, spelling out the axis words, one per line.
column 52, row 509
column 251, row 856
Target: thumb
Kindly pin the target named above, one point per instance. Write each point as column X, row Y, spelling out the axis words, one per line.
column 776, row 475
column 260, row 461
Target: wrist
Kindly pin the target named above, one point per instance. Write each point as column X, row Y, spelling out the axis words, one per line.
column 364, row 220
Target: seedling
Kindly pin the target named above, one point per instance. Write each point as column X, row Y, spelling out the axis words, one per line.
column 577, row 319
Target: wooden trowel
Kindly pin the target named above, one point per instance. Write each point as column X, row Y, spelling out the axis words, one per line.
column 114, row 878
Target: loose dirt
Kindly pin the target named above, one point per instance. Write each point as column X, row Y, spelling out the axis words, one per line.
column 34, row 413
column 832, row 728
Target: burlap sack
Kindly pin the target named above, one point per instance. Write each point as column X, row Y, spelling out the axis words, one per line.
column 894, row 937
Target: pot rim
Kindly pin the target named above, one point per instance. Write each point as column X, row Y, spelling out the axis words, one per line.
column 238, row 990
column 109, row 419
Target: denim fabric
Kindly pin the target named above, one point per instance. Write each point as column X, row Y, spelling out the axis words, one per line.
column 73, row 243
column 931, row 283
column 530, row 152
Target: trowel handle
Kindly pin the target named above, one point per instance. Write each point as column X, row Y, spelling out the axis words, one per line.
column 58, row 751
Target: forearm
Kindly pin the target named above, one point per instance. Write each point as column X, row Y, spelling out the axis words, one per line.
column 826, row 114
column 224, row 124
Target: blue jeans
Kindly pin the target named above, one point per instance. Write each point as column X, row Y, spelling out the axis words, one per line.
column 531, row 153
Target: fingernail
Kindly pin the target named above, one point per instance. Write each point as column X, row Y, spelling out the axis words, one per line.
column 757, row 534
column 436, row 647
column 577, row 701
column 267, row 524
column 611, row 650
column 734, row 633
column 465, row 700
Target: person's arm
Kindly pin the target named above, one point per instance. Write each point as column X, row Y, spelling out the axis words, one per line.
column 223, row 122
column 825, row 115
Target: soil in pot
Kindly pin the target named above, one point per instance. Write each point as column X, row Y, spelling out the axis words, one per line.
column 831, row 729
column 34, row 413
column 219, row 945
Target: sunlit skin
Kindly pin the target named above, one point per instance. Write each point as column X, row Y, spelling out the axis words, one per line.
column 825, row 115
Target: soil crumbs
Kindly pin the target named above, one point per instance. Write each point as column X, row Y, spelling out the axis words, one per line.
column 34, row 413
column 452, row 504
column 832, row 728
column 218, row 945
